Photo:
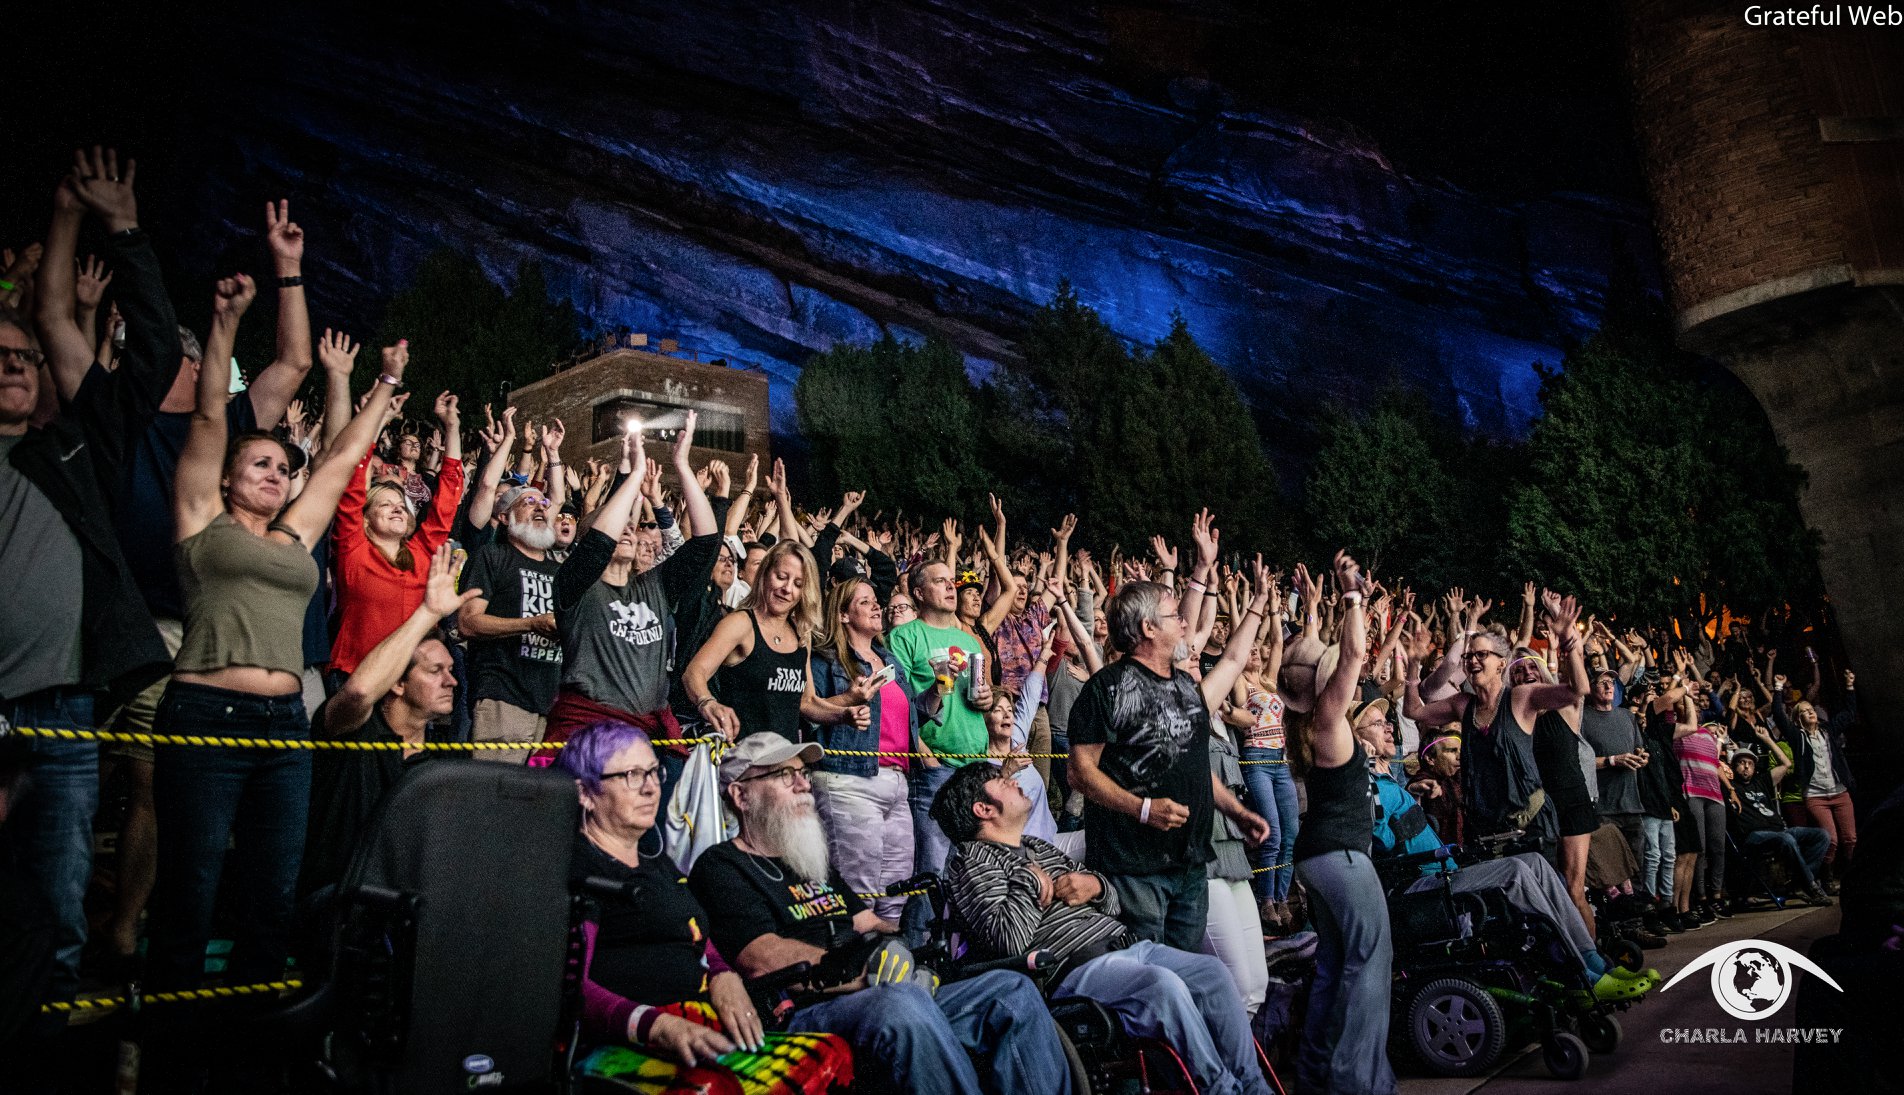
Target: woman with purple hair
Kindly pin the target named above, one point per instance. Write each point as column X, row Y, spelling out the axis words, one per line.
column 654, row 990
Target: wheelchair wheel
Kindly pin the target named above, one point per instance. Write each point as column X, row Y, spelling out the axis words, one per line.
column 1565, row 1055
column 1601, row 1033
column 1455, row 1027
column 1626, row 954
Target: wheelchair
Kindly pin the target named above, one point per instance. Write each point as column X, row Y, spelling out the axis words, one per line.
column 1104, row 1060
column 455, row 959
column 1473, row 975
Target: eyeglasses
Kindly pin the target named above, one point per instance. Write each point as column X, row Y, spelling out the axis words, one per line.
column 538, row 503
column 1482, row 654
column 635, row 778
column 786, row 776
column 25, row 355
column 647, row 524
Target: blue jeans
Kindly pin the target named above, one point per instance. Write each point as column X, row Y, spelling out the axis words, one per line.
column 920, row 1043
column 48, row 835
column 202, row 796
column 1656, row 868
column 1802, row 846
column 1169, row 907
column 1272, row 793
column 1344, row 1047
column 1187, row 1001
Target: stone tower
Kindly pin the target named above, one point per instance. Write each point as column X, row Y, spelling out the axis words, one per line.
column 1775, row 156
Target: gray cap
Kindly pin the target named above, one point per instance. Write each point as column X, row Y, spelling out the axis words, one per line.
column 513, row 495
column 765, row 750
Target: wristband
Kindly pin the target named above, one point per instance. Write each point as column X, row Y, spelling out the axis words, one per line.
column 291, row 282
column 388, row 379
column 7, row 286
column 1143, row 813
column 1352, row 597
column 1192, row 584
column 703, row 702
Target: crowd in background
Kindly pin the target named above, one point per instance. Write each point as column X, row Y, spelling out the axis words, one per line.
column 1164, row 754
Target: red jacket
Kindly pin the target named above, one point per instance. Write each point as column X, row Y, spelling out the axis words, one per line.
column 374, row 595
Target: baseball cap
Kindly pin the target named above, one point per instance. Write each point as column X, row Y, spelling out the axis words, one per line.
column 765, row 750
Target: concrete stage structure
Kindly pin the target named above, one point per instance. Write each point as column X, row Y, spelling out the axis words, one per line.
column 1775, row 156
column 656, row 383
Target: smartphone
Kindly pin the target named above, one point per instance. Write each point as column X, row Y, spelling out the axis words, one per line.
column 1049, row 628
column 884, row 676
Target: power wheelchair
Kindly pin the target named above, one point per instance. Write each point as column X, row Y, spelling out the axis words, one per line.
column 1473, row 975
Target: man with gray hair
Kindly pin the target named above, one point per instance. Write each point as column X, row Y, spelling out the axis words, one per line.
column 1140, row 754
column 773, row 899
column 515, row 660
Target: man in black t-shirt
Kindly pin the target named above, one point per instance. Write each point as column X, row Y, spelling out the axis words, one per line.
column 515, row 659
column 399, row 693
column 1755, row 819
column 773, row 899
column 1140, row 735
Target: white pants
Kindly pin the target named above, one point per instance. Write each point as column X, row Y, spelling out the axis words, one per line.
column 868, row 831
column 1233, row 933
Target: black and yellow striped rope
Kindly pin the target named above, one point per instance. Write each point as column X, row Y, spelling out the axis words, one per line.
column 222, row 992
column 127, row 737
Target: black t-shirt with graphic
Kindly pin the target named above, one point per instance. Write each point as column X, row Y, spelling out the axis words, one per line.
column 748, row 896
column 522, row 670
column 1155, row 732
column 1758, row 805
column 650, row 948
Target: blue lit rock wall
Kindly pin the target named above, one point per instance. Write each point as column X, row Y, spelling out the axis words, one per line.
column 763, row 180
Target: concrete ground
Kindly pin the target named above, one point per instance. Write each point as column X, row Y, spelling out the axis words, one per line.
column 1643, row 1063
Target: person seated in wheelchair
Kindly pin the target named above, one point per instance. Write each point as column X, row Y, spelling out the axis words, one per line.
column 1011, row 894
column 1527, row 881
column 774, row 900
column 651, row 980
column 1754, row 817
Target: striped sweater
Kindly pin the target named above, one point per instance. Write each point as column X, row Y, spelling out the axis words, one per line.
column 994, row 900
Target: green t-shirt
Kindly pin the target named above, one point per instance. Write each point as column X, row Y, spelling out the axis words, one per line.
column 960, row 729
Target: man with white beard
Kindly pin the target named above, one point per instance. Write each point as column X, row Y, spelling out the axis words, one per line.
column 515, row 662
column 773, row 899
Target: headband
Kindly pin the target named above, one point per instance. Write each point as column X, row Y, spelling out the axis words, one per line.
column 1426, row 749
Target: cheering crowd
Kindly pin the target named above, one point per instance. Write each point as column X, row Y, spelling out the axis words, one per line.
column 1165, row 767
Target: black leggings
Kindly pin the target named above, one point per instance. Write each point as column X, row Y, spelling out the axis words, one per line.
column 1709, row 824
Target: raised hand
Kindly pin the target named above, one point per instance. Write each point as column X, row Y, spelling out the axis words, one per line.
column 337, row 353
column 447, row 412
column 1204, row 531
column 551, row 440
column 1561, row 613
column 1166, row 555
column 1477, row 608
column 777, row 480
column 99, row 186
column 684, row 442
column 753, row 472
column 1067, row 526
column 440, row 597
column 89, row 287
column 722, row 475
column 230, row 297
column 396, row 359
column 1527, row 593
column 285, row 238
column 1348, row 574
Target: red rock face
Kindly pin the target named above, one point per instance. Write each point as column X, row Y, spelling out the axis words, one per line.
column 763, row 179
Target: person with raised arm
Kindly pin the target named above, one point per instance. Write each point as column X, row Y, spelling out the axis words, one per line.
column 245, row 566
column 400, row 692
column 383, row 547
column 615, row 607
column 1345, row 1038
column 1140, row 754
column 76, row 626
